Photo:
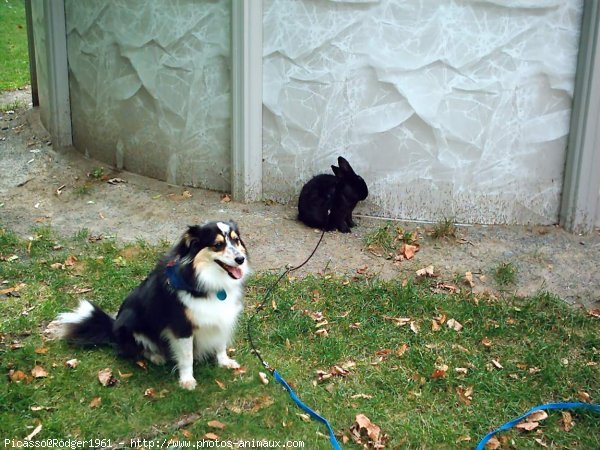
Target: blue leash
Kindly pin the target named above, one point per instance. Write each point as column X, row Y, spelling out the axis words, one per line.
column 306, row 409
column 547, row 406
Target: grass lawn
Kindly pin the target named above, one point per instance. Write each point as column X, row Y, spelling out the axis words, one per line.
column 14, row 67
column 433, row 370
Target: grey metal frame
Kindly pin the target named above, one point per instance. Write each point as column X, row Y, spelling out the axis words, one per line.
column 59, row 105
column 246, row 155
column 581, row 186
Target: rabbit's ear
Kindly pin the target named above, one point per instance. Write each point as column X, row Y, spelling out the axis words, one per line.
column 337, row 171
column 344, row 165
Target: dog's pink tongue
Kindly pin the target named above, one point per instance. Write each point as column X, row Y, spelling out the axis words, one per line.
column 235, row 271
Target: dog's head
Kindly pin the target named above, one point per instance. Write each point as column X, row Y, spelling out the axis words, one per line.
column 216, row 253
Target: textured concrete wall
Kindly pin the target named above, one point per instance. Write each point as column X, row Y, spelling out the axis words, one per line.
column 150, row 86
column 446, row 107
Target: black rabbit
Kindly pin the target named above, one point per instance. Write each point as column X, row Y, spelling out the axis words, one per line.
column 327, row 201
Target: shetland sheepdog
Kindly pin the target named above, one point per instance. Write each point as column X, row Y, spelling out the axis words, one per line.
column 185, row 310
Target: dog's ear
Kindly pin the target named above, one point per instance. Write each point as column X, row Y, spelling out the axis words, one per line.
column 193, row 240
column 336, row 171
column 234, row 226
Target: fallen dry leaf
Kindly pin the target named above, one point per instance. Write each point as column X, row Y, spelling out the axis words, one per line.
column 16, row 288
column 35, row 431
column 537, row 416
column 486, row 342
column 211, row 437
column 465, row 394
column 366, row 396
column 469, row 279
column 220, row 384
column 142, row 364
column 70, row 261
column 594, row 313
column 583, row 396
column 16, row 376
column 263, row 378
column 105, row 377
column 150, row 393
column 398, row 321
column 96, row 401
column 425, row 272
column 72, row 363
column 362, row 270
column 493, row 444
column 240, row 371
column 366, row 433
column 438, row 373
column 226, row 198
column 527, row 426
column 322, row 332
column 216, row 424
column 401, row 350
column 497, row 364
column 566, row 422
column 408, row 251
column 414, row 327
column 41, row 350
column 454, row 325
column 38, row 372
column 124, row 376
column 116, row 181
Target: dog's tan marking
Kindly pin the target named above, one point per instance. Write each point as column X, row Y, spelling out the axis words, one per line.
column 234, row 235
column 189, row 314
column 201, row 259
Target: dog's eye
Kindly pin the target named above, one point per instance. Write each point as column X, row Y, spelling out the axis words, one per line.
column 219, row 245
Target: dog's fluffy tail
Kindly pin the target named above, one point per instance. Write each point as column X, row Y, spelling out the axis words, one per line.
column 87, row 325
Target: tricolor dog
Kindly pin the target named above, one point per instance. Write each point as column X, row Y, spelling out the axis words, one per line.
column 185, row 310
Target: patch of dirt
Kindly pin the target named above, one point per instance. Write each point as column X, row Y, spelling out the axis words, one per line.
column 40, row 185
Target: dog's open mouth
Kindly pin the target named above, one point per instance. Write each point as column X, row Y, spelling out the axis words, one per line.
column 234, row 271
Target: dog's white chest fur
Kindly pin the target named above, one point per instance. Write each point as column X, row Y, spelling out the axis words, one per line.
column 211, row 312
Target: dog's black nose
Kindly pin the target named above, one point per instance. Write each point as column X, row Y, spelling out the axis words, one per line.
column 240, row 260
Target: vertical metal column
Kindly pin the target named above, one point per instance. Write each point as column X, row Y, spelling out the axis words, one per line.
column 581, row 186
column 246, row 156
column 35, row 100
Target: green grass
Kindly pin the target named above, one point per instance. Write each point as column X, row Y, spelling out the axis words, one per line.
column 505, row 274
column 444, row 229
column 388, row 239
column 548, row 352
column 16, row 104
column 14, row 58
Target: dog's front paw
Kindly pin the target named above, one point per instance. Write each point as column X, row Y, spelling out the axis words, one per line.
column 189, row 384
column 228, row 363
